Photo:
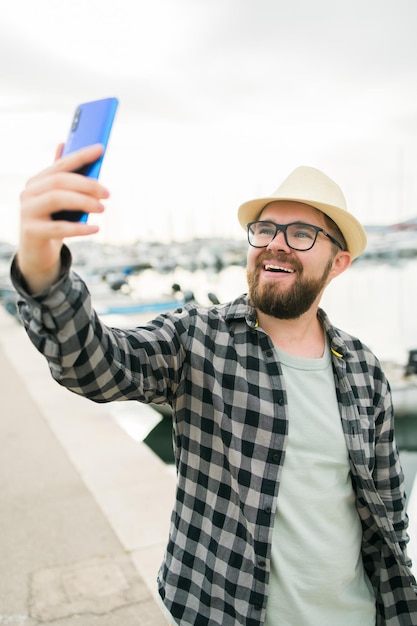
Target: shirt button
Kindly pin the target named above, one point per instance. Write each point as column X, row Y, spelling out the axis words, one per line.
column 275, row 457
column 261, row 564
column 269, row 353
column 267, row 509
column 281, row 401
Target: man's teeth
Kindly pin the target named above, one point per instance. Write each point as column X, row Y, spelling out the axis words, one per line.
column 278, row 268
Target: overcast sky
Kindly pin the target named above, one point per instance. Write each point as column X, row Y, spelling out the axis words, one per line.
column 219, row 101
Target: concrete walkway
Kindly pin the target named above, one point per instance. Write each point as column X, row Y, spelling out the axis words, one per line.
column 84, row 509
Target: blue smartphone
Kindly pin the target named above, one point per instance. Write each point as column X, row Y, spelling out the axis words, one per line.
column 91, row 124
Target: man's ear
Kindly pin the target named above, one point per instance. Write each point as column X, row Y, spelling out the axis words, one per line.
column 341, row 262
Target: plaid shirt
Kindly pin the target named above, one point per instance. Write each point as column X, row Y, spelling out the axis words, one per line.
column 220, row 374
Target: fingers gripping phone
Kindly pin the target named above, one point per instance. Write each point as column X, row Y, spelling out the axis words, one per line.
column 91, row 124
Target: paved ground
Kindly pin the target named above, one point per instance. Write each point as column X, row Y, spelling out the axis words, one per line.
column 81, row 534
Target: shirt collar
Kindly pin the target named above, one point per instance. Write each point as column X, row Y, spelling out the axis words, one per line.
column 337, row 344
column 241, row 308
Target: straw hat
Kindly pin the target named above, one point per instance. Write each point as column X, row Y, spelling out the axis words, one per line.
column 310, row 186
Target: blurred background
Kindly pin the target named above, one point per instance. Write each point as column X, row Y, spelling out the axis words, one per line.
column 219, row 101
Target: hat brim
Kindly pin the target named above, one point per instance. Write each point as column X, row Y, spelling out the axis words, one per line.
column 352, row 230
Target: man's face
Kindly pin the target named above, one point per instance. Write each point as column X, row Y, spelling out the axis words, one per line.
column 285, row 283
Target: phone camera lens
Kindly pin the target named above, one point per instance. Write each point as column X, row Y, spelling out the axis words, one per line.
column 76, row 120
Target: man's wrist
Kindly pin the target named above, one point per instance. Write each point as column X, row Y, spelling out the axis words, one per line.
column 38, row 288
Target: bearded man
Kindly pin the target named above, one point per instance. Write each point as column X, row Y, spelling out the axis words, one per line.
column 290, row 507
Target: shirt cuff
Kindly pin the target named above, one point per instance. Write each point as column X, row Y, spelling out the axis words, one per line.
column 55, row 306
column 20, row 284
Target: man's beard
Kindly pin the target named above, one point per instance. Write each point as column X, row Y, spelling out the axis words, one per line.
column 290, row 302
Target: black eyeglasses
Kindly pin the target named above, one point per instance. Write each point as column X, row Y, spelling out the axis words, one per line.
column 298, row 236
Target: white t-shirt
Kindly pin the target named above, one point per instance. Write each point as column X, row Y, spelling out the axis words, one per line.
column 317, row 575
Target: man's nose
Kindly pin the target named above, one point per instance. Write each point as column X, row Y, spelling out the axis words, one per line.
column 279, row 242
